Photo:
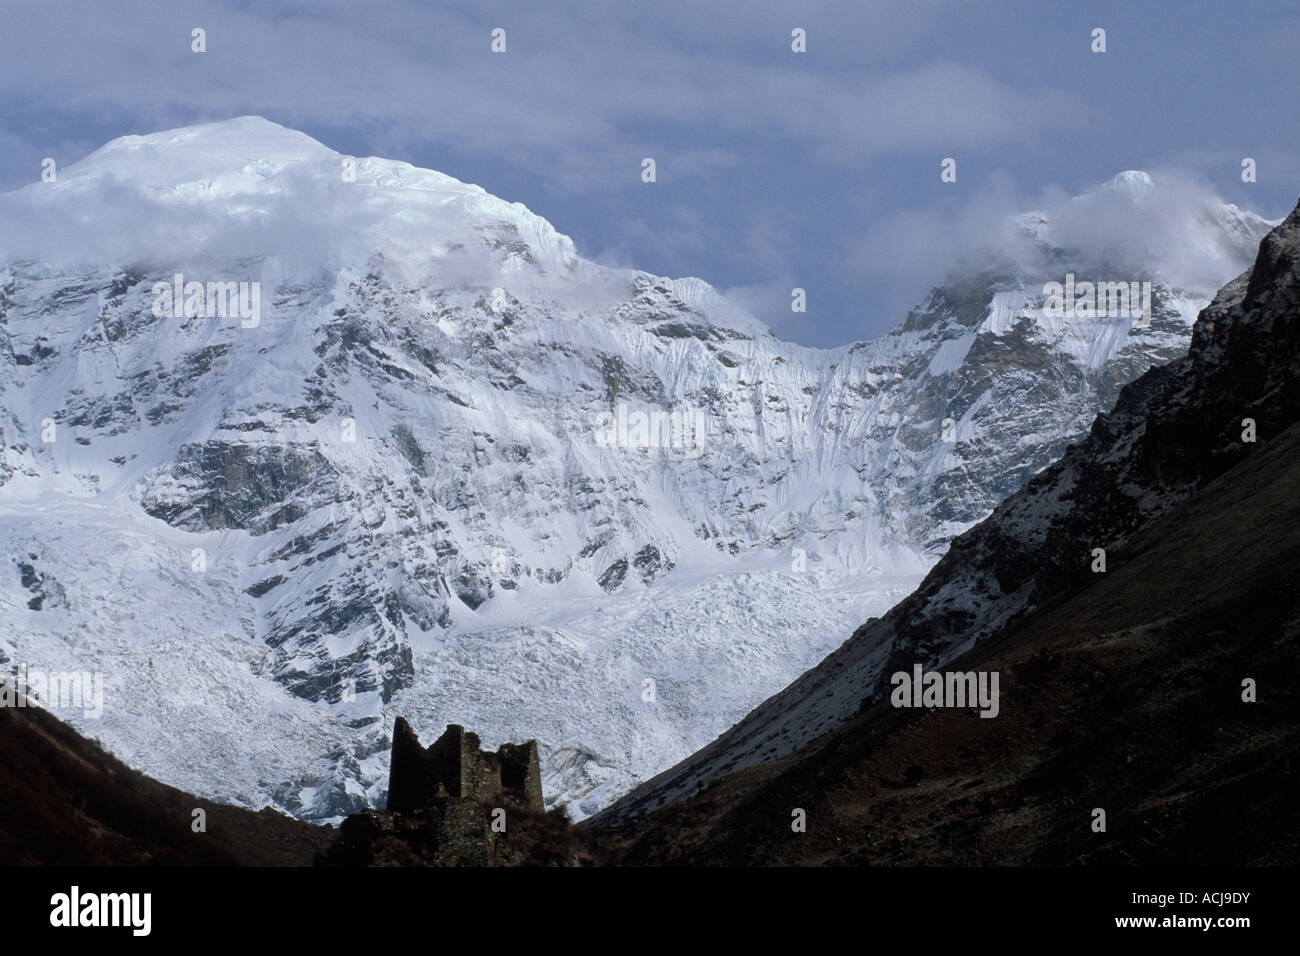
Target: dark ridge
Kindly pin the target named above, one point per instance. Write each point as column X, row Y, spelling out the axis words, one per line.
column 65, row 801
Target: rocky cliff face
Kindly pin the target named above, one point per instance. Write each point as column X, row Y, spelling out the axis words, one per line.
column 415, row 476
column 1172, row 431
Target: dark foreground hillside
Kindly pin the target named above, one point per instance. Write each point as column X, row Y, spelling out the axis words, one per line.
column 64, row 801
column 1125, row 695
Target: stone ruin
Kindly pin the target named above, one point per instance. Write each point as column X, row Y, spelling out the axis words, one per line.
column 452, row 804
column 455, row 767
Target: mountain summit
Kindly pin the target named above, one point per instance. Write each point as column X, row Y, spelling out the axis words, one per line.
column 1131, row 180
column 248, row 187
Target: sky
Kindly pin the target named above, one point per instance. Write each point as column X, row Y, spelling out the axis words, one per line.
column 774, row 169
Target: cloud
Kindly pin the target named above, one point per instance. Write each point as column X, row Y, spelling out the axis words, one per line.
column 578, row 93
column 1183, row 231
column 1173, row 229
column 911, row 250
column 770, row 303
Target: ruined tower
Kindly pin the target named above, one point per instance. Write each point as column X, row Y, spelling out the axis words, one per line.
column 454, row 766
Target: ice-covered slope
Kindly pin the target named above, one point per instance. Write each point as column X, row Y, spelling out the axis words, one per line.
column 414, row 478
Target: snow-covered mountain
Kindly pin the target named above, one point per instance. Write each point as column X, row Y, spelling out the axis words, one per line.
column 1171, row 433
column 427, row 459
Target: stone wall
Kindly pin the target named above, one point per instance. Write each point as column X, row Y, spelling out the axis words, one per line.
column 456, row 766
